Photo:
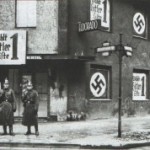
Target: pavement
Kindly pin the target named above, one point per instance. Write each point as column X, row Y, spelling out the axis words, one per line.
column 89, row 134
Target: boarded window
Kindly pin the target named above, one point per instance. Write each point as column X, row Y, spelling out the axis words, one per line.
column 26, row 13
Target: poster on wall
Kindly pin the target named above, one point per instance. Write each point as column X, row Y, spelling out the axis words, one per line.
column 12, row 47
column 100, row 9
column 139, row 86
column 99, row 84
column 139, row 24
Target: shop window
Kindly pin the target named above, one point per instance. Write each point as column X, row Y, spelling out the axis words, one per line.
column 26, row 13
column 140, row 85
column 99, row 83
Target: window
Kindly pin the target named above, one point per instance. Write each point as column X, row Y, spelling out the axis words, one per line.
column 26, row 13
column 99, row 83
column 140, row 24
column 141, row 20
column 101, row 9
column 140, row 85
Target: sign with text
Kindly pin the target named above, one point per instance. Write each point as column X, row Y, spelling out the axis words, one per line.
column 100, row 9
column 139, row 86
column 34, row 57
column 12, row 47
column 89, row 26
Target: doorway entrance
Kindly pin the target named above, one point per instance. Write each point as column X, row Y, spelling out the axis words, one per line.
column 3, row 75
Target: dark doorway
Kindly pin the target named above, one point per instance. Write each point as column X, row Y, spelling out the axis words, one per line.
column 3, row 75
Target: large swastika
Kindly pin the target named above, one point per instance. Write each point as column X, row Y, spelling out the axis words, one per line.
column 98, row 84
column 139, row 23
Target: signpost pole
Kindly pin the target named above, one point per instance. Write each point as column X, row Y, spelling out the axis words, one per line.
column 120, row 50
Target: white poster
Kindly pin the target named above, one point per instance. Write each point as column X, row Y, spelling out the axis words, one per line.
column 139, row 86
column 12, row 47
column 100, row 9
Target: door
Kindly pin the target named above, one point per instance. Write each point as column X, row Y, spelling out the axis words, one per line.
column 3, row 75
column 58, row 94
column 41, row 85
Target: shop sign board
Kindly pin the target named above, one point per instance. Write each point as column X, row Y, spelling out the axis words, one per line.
column 12, row 47
column 139, row 86
column 89, row 26
column 139, row 24
column 34, row 57
column 100, row 9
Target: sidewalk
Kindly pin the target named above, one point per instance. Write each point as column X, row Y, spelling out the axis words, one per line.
column 91, row 133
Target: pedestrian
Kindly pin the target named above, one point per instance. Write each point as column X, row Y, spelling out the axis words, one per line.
column 7, row 108
column 30, row 114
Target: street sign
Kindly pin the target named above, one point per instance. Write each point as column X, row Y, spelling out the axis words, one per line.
column 89, row 26
column 105, row 49
column 128, row 50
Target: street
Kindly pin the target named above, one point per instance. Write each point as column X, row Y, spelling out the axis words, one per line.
column 82, row 134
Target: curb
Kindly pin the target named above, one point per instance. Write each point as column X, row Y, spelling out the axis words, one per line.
column 70, row 146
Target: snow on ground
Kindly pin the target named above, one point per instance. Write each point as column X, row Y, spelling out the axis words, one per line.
column 91, row 132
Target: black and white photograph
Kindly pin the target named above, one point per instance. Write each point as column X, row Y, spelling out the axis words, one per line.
column 74, row 74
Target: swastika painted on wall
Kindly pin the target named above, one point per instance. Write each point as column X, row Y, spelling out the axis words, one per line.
column 139, row 23
column 98, row 84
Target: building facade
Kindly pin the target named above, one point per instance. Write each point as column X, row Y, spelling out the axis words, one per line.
column 100, row 83
column 53, row 43
column 33, row 45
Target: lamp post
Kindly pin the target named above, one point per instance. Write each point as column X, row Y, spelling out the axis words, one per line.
column 122, row 50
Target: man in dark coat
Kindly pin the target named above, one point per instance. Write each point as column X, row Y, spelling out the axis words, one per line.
column 7, row 107
column 31, row 103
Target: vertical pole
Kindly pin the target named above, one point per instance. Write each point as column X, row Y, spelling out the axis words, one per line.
column 120, row 86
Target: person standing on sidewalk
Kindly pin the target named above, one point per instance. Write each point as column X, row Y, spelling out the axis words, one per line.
column 7, row 108
column 31, row 103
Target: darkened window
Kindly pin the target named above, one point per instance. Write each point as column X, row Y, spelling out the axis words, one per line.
column 25, row 13
column 140, row 20
column 99, row 83
column 140, row 85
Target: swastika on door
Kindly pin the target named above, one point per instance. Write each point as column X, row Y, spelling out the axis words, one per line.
column 98, row 84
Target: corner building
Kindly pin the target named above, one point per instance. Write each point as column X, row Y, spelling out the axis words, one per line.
column 53, row 43
column 98, row 80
